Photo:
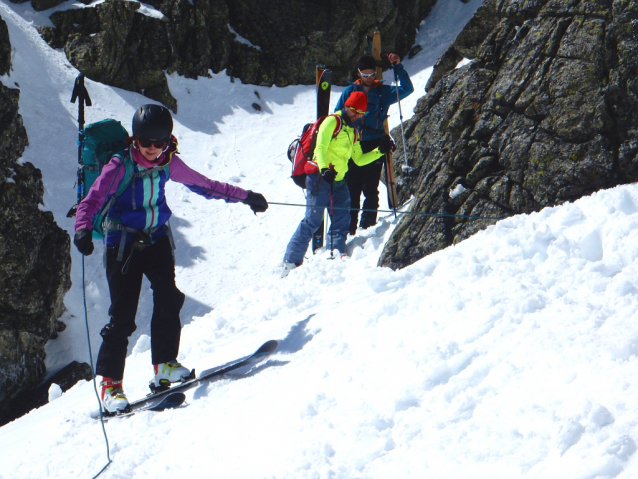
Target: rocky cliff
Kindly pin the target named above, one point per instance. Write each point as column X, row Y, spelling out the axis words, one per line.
column 546, row 112
column 35, row 260
column 264, row 43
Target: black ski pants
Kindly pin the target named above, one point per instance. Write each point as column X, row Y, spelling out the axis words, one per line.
column 156, row 262
column 364, row 179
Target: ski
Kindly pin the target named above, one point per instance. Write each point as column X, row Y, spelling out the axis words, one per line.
column 393, row 201
column 324, row 86
column 155, row 400
column 262, row 353
column 172, row 401
column 169, row 397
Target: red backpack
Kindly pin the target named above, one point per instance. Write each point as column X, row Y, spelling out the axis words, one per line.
column 302, row 149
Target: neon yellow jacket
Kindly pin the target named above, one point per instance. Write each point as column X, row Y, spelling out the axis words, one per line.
column 338, row 151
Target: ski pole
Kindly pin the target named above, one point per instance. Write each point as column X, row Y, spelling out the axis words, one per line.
column 389, row 180
column 332, row 190
column 405, row 167
column 79, row 92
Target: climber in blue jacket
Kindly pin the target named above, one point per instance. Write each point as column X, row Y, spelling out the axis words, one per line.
column 366, row 178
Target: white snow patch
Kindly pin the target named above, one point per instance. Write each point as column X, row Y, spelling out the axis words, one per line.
column 150, row 11
column 240, row 39
column 55, row 391
column 463, row 62
column 458, row 190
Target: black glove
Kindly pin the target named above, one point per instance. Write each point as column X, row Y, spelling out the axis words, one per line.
column 387, row 144
column 257, row 202
column 84, row 241
column 328, row 175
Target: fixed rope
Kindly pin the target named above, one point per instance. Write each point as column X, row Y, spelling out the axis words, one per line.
column 416, row 213
column 97, row 395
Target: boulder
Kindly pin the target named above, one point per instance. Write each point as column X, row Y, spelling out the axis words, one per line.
column 545, row 113
column 262, row 43
column 38, row 395
column 35, row 261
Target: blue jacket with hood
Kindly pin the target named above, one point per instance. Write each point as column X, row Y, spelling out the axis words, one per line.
column 380, row 97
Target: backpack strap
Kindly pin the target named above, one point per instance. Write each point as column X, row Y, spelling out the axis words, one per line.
column 127, row 161
column 141, row 174
column 129, row 178
column 122, row 185
column 339, row 125
column 314, row 139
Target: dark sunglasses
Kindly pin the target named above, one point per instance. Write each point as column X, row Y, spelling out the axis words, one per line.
column 366, row 75
column 357, row 111
column 157, row 144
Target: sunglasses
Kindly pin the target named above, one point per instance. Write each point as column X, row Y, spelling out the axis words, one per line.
column 157, row 144
column 366, row 75
column 357, row 111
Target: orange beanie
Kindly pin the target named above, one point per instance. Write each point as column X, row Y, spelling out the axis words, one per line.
column 358, row 100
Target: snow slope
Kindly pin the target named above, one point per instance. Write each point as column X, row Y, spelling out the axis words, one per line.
column 510, row 355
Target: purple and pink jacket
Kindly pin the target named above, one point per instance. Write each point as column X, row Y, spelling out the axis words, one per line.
column 151, row 211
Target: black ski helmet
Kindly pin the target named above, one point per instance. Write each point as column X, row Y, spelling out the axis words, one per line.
column 152, row 122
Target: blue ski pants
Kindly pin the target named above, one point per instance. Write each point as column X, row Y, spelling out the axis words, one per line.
column 321, row 195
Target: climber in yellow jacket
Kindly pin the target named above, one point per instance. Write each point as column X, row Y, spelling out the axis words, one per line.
column 338, row 140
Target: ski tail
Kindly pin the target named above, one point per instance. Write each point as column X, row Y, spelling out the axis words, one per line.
column 393, row 201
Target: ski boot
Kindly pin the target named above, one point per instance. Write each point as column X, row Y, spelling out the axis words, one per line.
column 167, row 373
column 113, row 397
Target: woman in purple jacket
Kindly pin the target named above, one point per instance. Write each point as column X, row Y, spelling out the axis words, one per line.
column 138, row 242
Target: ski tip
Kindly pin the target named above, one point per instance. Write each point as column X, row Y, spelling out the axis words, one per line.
column 268, row 347
column 176, row 397
column 173, row 400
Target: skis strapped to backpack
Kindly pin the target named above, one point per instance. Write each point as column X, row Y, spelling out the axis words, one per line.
column 393, row 201
column 324, row 85
column 301, row 150
column 97, row 143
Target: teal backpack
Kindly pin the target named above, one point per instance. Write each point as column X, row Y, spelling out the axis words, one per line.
column 97, row 144
column 102, row 141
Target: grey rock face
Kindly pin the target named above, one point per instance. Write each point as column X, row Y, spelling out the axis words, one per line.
column 35, row 261
column 545, row 113
column 37, row 396
column 262, row 43
column 39, row 5
column 5, row 49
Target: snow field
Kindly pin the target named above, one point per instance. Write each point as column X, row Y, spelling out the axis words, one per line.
column 510, row 355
